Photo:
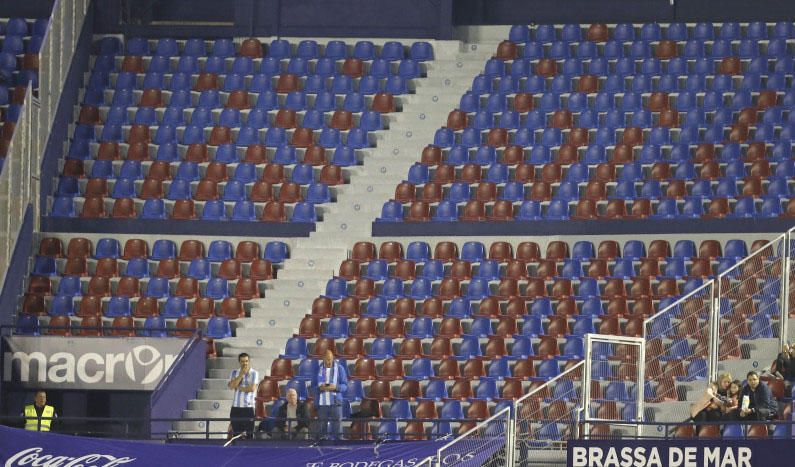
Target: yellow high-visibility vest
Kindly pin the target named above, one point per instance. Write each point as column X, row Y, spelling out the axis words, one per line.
column 32, row 421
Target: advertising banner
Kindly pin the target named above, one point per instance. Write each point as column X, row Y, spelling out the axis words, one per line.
column 680, row 453
column 28, row 448
column 117, row 363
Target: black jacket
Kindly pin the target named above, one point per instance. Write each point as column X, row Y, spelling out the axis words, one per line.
column 761, row 400
column 300, row 413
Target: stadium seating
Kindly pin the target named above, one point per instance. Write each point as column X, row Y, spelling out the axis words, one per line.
column 277, row 124
column 477, row 323
column 19, row 64
column 156, row 284
column 558, row 128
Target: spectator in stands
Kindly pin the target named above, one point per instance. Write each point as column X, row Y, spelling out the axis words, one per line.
column 292, row 419
column 784, row 365
column 709, row 408
column 733, row 397
column 244, row 382
column 39, row 416
column 756, row 400
column 331, row 381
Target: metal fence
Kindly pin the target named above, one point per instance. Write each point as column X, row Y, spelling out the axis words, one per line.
column 19, row 180
column 749, row 302
column 677, row 345
column 614, row 374
column 546, row 416
column 487, row 439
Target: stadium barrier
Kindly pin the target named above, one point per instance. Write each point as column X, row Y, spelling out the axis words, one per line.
column 20, row 178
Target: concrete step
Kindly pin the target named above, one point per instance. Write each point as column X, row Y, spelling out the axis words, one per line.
column 197, row 429
column 217, row 384
column 210, row 405
column 257, row 353
column 215, row 394
column 222, row 362
column 205, row 413
column 275, row 342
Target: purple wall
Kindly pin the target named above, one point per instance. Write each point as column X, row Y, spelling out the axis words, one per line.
column 179, row 385
column 346, row 18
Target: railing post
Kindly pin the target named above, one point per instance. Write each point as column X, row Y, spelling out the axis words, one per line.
column 510, row 445
column 783, row 332
column 714, row 330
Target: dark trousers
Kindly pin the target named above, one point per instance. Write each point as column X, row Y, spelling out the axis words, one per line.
column 242, row 426
column 329, row 417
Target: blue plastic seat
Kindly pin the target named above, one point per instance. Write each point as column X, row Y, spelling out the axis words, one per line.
column 418, row 251
column 522, row 345
column 154, row 326
column 421, row 328
column 154, row 209
column 219, row 250
column 547, row 370
column 392, row 211
column 381, row 348
column 118, row 306
column 107, row 248
column 62, row 305
column 217, row 288
column 276, row 252
column 199, row 268
column 175, row 307
column 392, row 289
column 529, row 211
column 244, row 210
column 157, row 288
column 304, row 212
column 541, row 307
column 163, row 249
column 218, row 328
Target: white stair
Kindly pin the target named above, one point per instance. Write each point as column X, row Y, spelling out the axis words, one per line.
column 314, row 260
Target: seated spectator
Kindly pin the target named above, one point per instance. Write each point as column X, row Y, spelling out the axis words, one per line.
column 756, row 400
column 292, row 419
column 784, row 365
column 709, row 408
column 733, row 397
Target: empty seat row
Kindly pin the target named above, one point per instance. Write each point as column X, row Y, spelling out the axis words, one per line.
column 278, row 48
column 600, row 32
column 246, row 251
column 122, row 326
column 475, row 251
column 186, row 209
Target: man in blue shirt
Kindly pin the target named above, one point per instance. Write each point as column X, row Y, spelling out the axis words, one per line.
column 331, row 381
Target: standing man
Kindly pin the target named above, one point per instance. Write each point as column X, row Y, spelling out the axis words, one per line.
column 332, row 381
column 756, row 400
column 244, row 382
column 39, row 416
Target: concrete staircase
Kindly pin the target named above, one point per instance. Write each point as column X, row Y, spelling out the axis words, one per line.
column 315, row 260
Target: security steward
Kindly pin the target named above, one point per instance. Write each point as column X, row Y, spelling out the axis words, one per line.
column 39, row 416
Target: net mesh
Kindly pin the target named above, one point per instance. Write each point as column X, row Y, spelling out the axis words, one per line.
column 547, row 416
column 482, row 445
column 749, row 294
column 677, row 349
column 612, row 406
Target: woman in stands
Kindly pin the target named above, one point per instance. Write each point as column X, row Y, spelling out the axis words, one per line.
column 709, row 408
column 733, row 397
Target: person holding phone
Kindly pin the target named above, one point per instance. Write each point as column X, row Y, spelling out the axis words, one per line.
column 332, row 381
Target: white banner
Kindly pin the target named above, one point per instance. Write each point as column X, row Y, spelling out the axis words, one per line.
column 133, row 363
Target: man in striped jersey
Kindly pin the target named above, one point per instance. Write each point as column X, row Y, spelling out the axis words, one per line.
column 244, row 382
column 332, row 381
